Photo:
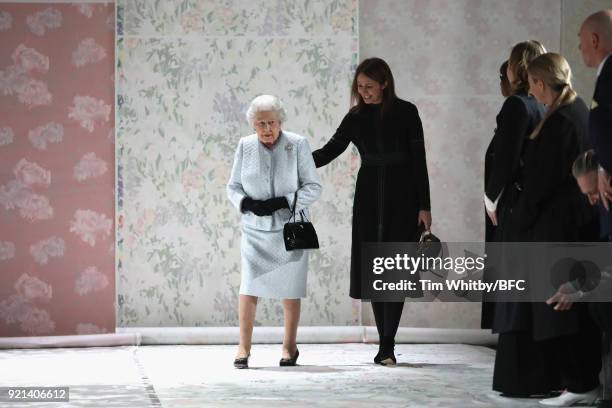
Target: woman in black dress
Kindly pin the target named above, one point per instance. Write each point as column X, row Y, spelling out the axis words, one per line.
column 551, row 208
column 392, row 189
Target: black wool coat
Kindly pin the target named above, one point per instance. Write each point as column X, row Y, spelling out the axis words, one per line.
column 392, row 183
column 551, row 208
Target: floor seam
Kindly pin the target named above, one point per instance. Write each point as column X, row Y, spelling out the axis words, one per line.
column 151, row 393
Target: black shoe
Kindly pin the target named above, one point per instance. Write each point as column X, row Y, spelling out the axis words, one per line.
column 388, row 359
column 377, row 356
column 387, row 356
column 242, row 362
column 290, row 362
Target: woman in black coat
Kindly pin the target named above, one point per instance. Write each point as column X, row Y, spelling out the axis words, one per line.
column 551, row 208
column 392, row 189
column 506, row 91
column 488, row 308
column 520, row 369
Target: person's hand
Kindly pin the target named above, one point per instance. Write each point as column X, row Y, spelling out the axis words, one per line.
column 425, row 219
column 275, row 204
column 593, row 198
column 493, row 217
column 605, row 189
column 565, row 297
column 257, row 207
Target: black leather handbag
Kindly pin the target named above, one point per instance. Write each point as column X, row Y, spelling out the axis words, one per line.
column 299, row 234
column 429, row 245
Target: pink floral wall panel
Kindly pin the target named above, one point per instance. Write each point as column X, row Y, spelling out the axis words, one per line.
column 57, row 210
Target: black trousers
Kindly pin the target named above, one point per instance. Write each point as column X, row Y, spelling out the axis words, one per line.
column 387, row 316
column 579, row 360
column 524, row 367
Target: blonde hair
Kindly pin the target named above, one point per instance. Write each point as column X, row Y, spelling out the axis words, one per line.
column 520, row 57
column 555, row 72
column 585, row 163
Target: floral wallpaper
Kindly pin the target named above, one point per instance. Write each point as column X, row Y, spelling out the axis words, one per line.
column 187, row 71
column 448, row 66
column 57, row 241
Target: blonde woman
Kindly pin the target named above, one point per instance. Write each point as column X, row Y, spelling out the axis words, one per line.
column 545, row 211
column 273, row 171
column 551, row 208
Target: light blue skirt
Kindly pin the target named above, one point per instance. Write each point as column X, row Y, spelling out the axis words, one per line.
column 268, row 270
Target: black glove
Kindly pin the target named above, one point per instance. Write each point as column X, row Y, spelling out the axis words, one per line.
column 275, row 204
column 257, row 207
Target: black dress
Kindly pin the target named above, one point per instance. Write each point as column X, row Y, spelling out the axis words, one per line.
column 392, row 183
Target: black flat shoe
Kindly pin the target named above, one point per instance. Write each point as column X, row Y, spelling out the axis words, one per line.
column 388, row 359
column 242, row 362
column 377, row 357
column 387, row 355
column 290, row 362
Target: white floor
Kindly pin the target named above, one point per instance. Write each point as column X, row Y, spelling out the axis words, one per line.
column 328, row 375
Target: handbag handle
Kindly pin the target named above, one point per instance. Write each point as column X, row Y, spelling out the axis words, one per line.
column 293, row 209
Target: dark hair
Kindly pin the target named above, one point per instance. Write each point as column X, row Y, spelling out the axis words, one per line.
column 506, row 89
column 378, row 70
column 503, row 68
column 585, row 163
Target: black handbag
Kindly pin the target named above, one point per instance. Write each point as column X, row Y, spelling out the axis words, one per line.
column 299, row 234
column 429, row 245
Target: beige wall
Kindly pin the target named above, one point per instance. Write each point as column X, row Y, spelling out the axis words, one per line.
column 445, row 57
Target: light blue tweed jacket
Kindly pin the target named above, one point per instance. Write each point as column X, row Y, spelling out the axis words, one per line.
column 261, row 173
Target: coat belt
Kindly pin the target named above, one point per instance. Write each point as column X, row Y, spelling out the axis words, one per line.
column 386, row 159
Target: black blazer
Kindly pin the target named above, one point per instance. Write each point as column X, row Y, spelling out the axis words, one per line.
column 600, row 119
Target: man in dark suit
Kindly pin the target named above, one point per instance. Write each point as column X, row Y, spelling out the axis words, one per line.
column 596, row 48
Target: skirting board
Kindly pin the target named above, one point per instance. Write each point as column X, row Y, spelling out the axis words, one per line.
column 89, row 340
column 135, row 336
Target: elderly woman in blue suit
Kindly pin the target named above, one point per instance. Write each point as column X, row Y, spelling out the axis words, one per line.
column 272, row 169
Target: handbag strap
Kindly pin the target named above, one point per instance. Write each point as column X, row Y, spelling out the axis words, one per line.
column 303, row 216
column 293, row 209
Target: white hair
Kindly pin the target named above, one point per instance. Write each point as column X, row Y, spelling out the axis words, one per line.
column 265, row 103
